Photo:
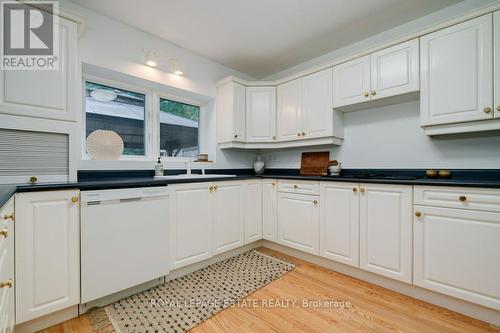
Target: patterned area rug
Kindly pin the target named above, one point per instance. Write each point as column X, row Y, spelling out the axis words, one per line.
column 184, row 303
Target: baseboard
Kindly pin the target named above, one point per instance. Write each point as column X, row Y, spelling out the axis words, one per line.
column 469, row 309
column 49, row 320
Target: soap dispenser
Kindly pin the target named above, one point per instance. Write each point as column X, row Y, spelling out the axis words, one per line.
column 159, row 168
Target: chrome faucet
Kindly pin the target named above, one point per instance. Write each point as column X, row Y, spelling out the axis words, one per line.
column 188, row 167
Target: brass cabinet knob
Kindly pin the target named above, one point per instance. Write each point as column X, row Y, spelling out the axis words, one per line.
column 315, row 202
column 374, row 92
column 462, row 198
column 274, row 137
column 487, row 110
column 8, row 217
column 303, row 133
column 498, row 108
column 298, row 134
column 6, row 284
column 355, row 189
column 33, row 179
column 74, row 199
column 366, row 94
column 215, row 188
column 210, row 188
column 274, row 184
column 362, row 190
column 235, row 136
column 4, row 232
column 295, row 186
column 418, row 214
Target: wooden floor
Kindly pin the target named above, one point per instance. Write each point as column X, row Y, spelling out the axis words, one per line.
column 374, row 309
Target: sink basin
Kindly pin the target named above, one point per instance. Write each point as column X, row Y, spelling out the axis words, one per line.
column 194, row 176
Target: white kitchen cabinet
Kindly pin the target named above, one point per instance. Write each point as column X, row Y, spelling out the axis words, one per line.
column 230, row 110
column 51, row 94
column 386, row 230
column 192, row 223
column 289, row 113
column 457, row 73
column 229, row 228
column 7, row 306
column 456, row 253
column 261, row 114
column 339, row 222
column 252, row 210
column 317, row 104
column 351, row 82
column 269, row 209
column 496, row 85
column 298, row 221
column 395, row 70
column 47, row 253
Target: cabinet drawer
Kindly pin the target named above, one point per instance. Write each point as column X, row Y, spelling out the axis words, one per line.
column 299, row 187
column 457, row 197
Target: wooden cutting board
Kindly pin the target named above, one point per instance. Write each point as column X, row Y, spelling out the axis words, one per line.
column 314, row 164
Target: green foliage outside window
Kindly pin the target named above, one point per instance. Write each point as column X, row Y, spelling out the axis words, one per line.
column 180, row 109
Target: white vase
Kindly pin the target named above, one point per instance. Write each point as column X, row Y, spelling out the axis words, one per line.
column 259, row 166
column 335, row 169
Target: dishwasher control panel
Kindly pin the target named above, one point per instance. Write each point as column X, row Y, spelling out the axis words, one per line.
column 89, row 197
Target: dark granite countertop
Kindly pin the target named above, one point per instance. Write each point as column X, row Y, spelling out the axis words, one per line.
column 114, row 179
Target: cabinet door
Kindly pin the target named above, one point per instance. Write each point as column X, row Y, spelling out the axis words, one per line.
column 47, row 253
column 7, row 307
column 261, row 114
column 230, row 110
column 351, row 82
column 253, row 211
column 191, row 223
column 229, row 232
column 45, row 93
column 456, row 253
column 395, row 70
column 269, row 209
column 289, row 111
column 298, row 222
column 386, row 230
column 496, row 34
column 239, row 108
column 317, row 113
column 339, row 222
column 457, row 73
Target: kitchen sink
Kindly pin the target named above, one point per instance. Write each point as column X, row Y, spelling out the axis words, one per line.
column 194, row 176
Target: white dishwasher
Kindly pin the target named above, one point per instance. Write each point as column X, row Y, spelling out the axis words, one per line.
column 124, row 239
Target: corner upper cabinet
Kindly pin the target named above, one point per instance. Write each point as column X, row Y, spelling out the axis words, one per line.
column 351, row 82
column 230, row 110
column 457, row 73
column 50, row 94
column 289, row 110
column 496, row 65
column 261, row 114
column 395, row 70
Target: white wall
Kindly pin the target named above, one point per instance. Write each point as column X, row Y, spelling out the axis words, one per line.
column 391, row 137
column 114, row 50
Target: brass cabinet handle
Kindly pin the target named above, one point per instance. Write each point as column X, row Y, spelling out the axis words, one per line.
column 9, row 217
column 274, row 184
column 215, row 188
column 366, row 94
column 7, row 283
column 315, row 202
column 418, row 214
column 295, row 186
column 298, row 134
column 4, row 232
column 211, row 188
column 33, row 179
column 74, row 199
column 355, row 189
column 303, row 133
column 274, row 137
column 374, row 92
column 362, row 190
column 235, row 136
column 462, row 198
column 487, row 109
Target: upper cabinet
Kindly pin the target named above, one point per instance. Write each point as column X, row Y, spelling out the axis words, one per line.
column 497, row 64
column 261, row 114
column 231, row 102
column 389, row 72
column 50, row 94
column 289, row 110
column 456, row 69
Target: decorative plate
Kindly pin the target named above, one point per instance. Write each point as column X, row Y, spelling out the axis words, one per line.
column 104, row 145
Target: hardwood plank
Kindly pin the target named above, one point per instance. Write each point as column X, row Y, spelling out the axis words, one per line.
column 374, row 309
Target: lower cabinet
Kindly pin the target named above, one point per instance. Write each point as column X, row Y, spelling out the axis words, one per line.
column 229, row 227
column 386, row 230
column 269, row 209
column 47, row 258
column 457, row 253
column 298, row 221
column 252, row 210
column 7, row 307
column 339, row 222
column 191, row 223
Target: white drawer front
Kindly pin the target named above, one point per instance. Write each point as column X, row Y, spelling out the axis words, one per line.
column 458, row 197
column 299, row 187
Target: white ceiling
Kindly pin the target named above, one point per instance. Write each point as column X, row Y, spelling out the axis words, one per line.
column 262, row 37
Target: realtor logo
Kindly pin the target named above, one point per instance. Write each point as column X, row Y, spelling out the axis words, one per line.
column 29, row 34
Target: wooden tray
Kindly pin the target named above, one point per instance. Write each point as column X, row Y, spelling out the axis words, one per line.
column 315, row 164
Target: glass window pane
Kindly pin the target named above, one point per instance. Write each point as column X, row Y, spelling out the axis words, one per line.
column 118, row 110
column 178, row 129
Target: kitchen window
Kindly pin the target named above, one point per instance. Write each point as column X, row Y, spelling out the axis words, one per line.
column 119, row 110
column 179, row 129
